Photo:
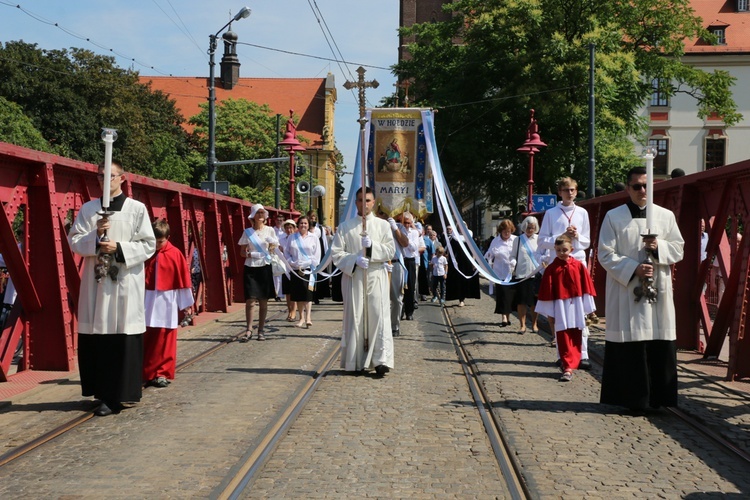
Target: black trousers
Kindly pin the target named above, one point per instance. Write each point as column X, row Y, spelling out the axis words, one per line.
column 411, row 285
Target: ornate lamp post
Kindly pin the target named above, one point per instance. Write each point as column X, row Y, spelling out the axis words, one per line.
column 531, row 147
column 211, row 161
column 291, row 145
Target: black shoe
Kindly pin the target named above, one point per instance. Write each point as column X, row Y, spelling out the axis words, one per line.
column 585, row 364
column 103, row 410
column 381, row 370
column 559, row 362
column 106, row 409
column 278, row 299
column 396, row 333
column 160, row 382
column 409, row 317
column 416, row 305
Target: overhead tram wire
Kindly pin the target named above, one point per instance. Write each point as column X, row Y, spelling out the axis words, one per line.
column 338, row 63
column 42, row 20
column 300, row 54
column 182, row 28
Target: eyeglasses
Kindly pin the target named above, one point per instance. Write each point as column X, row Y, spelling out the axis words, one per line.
column 111, row 176
column 638, row 187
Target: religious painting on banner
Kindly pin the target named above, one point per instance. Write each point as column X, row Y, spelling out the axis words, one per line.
column 396, row 161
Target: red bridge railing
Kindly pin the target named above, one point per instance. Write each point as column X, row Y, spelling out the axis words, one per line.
column 41, row 194
column 712, row 295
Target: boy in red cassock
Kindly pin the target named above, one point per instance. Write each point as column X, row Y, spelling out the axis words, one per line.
column 566, row 297
column 168, row 291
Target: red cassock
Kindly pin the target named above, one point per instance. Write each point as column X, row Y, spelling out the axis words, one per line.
column 166, row 270
column 567, row 280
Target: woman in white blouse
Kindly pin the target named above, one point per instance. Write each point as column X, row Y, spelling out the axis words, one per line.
column 499, row 254
column 302, row 250
column 528, row 265
column 258, row 244
column 290, row 227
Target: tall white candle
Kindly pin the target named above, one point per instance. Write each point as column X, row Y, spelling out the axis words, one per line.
column 109, row 136
column 650, row 154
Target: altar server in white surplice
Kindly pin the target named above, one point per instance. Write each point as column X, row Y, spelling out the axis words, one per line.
column 347, row 254
column 111, row 316
column 640, row 354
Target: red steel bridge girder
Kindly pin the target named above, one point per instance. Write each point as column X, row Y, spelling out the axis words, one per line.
column 48, row 190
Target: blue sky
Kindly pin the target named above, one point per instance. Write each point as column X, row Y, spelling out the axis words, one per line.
column 171, row 36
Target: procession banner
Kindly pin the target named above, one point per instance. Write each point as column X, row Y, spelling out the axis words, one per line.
column 397, row 160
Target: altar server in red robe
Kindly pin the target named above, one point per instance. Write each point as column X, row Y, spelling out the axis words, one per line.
column 168, row 291
column 566, row 297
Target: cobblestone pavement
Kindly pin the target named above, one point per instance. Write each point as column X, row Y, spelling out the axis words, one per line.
column 569, row 446
column 181, row 441
column 413, row 434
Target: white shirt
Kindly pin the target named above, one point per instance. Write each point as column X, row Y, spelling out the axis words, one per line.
column 264, row 237
column 556, row 221
column 416, row 242
column 295, row 245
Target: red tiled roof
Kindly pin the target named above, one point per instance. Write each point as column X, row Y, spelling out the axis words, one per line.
column 306, row 96
column 721, row 13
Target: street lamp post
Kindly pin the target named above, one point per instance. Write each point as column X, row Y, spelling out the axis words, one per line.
column 291, row 145
column 531, row 147
column 211, row 161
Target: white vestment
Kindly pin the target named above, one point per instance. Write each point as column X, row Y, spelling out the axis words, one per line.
column 620, row 252
column 109, row 306
column 345, row 248
column 556, row 221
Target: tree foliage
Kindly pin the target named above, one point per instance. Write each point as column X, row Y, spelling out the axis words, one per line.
column 244, row 130
column 16, row 128
column 69, row 95
column 496, row 59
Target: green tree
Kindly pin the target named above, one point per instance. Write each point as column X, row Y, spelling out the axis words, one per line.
column 495, row 59
column 244, row 131
column 16, row 128
column 69, row 95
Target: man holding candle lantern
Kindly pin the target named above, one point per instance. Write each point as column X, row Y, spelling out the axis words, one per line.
column 640, row 355
column 111, row 318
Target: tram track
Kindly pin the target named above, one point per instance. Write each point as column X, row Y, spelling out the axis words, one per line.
column 75, row 422
column 692, row 420
column 242, row 479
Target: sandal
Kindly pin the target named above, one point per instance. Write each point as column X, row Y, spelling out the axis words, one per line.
column 567, row 376
column 248, row 335
column 261, row 336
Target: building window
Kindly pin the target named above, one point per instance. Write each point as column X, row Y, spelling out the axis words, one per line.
column 742, row 5
column 720, row 35
column 661, row 162
column 715, row 153
column 658, row 93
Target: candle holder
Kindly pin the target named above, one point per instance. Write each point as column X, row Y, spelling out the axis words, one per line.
column 105, row 261
column 647, row 289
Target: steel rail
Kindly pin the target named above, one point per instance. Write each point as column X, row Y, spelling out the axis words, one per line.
column 692, row 421
column 71, row 424
column 245, row 474
column 510, row 468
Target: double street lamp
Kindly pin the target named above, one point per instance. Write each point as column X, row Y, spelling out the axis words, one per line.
column 230, row 38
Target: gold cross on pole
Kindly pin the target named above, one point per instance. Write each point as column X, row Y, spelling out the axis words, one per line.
column 361, row 85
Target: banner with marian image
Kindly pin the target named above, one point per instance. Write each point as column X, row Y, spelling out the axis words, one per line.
column 396, row 161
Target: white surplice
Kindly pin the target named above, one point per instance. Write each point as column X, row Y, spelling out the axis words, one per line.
column 345, row 248
column 110, row 307
column 620, row 252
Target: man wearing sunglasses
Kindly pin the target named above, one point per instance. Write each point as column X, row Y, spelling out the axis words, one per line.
column 640, row 354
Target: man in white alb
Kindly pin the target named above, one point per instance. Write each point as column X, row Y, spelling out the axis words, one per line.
column 362, row 260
